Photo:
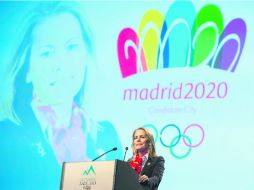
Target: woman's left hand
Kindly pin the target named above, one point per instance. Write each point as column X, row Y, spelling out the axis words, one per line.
column 143, row 178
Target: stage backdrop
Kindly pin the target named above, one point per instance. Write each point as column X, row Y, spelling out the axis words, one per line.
column 184, row 70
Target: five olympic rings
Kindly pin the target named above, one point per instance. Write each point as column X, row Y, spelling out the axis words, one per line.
column 176, row 140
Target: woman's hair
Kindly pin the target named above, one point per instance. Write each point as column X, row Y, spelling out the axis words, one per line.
column 150, row 141
column 17, row 93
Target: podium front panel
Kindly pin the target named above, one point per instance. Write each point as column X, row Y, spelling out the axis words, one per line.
column 88, row 175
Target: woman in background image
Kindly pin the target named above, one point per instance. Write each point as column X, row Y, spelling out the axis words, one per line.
column 43, row 124
column 145, row 162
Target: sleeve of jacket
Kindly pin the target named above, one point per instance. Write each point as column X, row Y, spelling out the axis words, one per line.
column 157, row 174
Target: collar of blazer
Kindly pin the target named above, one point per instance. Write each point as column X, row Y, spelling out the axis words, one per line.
column 149, row 163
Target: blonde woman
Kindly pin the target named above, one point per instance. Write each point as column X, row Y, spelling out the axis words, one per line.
column 45, row 123
column 145, row 162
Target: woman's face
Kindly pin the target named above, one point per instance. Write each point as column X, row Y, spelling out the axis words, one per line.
column 140, row 140
column 58, row 58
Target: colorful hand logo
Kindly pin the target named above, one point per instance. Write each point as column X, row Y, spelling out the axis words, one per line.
column 181, row 39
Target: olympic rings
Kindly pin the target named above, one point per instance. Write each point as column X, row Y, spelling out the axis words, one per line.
column 186, row 154
column 202, row 138
column 177, row 138
column 154, row 129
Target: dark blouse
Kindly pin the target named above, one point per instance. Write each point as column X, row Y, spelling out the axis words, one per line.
column 153, row 169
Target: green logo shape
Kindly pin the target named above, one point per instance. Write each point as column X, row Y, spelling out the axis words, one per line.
column 87, row 172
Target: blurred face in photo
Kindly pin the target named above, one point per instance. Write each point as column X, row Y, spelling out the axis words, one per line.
column 58, row 59
column 140, row 140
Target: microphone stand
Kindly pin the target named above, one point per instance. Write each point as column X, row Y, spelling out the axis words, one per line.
column 126, row 148
column 113, row 149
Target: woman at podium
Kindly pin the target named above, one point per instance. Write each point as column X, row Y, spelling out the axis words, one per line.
column 145, row 161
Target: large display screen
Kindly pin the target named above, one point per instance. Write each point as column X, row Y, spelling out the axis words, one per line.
column 76, row 79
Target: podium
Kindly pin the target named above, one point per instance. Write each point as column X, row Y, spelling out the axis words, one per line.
column 99, row 175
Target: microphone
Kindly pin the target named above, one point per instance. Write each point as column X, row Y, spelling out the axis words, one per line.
column 126, row 148
column 113, row 149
